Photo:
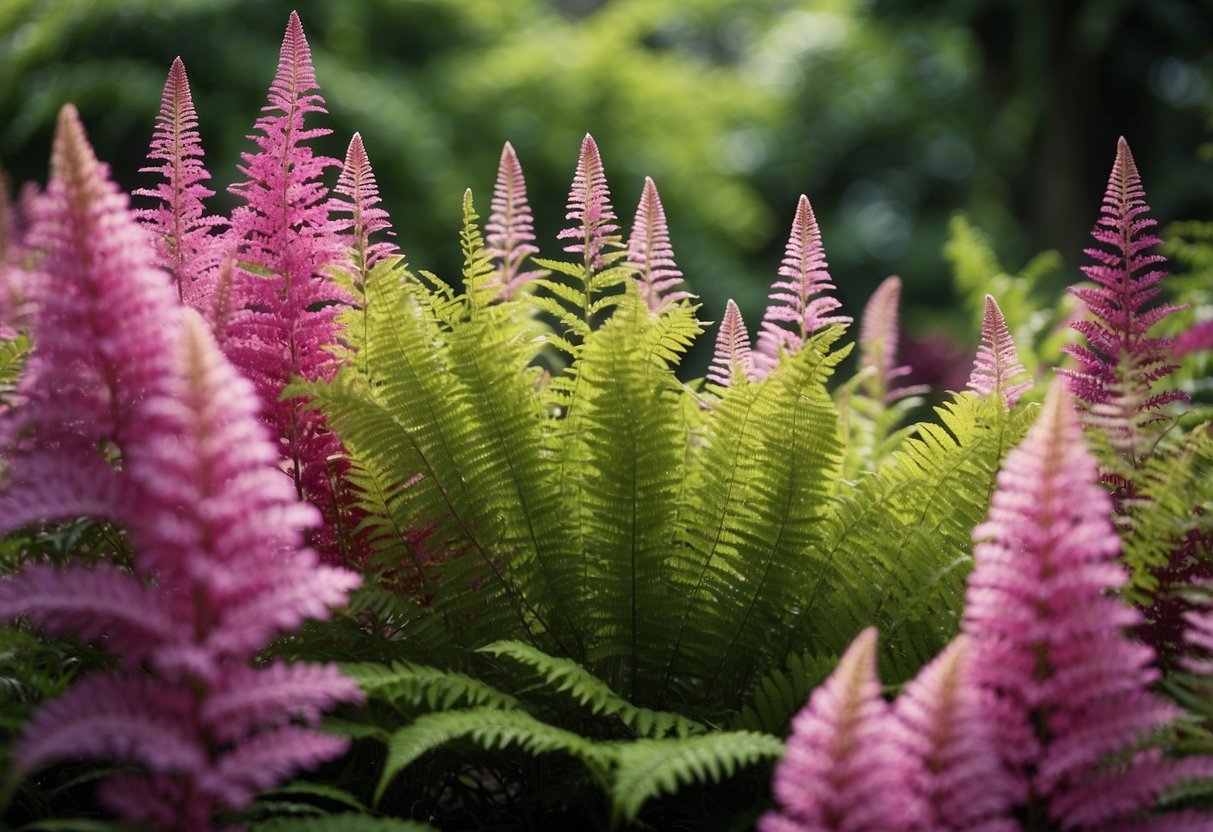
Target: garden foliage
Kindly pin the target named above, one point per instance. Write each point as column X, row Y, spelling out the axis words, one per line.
column 571, row 587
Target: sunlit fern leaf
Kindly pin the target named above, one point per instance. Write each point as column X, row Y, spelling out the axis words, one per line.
column 487, row 728
column 413, row 684
column 780, row 693
column 571, row 679
column 479, row 284
column 752, row 521
column 625, row 449
column 345, row 822
column 900, row 544
column 648, row 768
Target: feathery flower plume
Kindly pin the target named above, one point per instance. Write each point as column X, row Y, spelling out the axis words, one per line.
column 953, row 768
column 997, row 362
column 1121, row 365
column 510, row 232
column 650, row 254
column 285, row 308
column 219, row 568
column 181, row 228
column 840, row 773
column 731, row 361
column 594, row 229
column 878, row 337
column 358, row 195
column 1070, row 689
column 798, row 299
column 99, row 307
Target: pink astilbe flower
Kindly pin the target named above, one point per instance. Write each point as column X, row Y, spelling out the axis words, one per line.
column 285, row 305
column 650, row 254
column 954, row 774
column 99, row 307
column 878, row 337
column 799, row 299
column 731, row 361
column 219, row 567
column 358, row 195
column 510, row 231
column 997, row 361
column 1198, row 338
column 595, row 229
column 1121, row 365
column 1071, row 691
column 840, row 774
column 181, row 228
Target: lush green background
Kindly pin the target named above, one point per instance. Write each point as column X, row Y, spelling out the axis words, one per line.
column 889, row 114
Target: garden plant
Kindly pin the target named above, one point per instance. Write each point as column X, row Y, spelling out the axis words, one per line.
column 301, row 536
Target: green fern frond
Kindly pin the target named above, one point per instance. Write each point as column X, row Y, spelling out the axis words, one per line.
column 488, row 728
column 753, row 517
column 345, row 822
column 569, row 677
column 414, row 684
column 478, row 272
column 900, row 544
column 648, row 768
column 781, row 693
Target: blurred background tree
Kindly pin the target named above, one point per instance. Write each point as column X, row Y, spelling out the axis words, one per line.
column 890, row 115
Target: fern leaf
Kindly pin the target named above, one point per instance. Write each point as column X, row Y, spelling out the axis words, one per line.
column 568, row 677
column 649, row 768
column 754, row 511
column 479, row 284
column 415, row 684
column 782, row 692
column 488, row 728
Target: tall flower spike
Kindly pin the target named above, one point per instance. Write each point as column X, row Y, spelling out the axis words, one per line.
column 180, row 226
column 594, row 229
column 731, row 363
column 286, row 307
column 510, row 232
column 358, row 194
column 1121, row 365
column 954, row 770
column 219, row 573
column 997, row 362
column 99, row 307
column 839, row 772
column 1070, row 690
column 878, row 337
column 799, row 299
column 650, row 254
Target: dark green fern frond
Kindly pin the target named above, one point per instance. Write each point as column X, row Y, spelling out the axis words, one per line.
column 570, row 678
column 648, row 768
column 413, row 684
column 478, row 271
column 344, row 822
column 780, row 693
column 487, row 728
column 753, row 520
column 900, row 545
column 625, row 446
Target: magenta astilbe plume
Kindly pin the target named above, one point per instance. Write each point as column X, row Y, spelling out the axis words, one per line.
column 840, row 774
column 1122, row 364
column 997, row 361
column 595, row 229
column 731, row 362
column 181, row 228
column 286, row 306
column 878, row 337
column 798, row 305
column 358, row 195
column 954, row 772
column 1198, row 338
column 510, row 232
column 98, row 318
column 650, row 254
column 1071, row 691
